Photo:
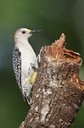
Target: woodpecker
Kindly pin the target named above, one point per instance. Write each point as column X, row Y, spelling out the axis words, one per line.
column 24, row 62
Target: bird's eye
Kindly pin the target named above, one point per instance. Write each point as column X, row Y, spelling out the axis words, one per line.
column 23, row 32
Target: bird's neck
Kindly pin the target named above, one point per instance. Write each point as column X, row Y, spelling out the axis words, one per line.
column 22, row 43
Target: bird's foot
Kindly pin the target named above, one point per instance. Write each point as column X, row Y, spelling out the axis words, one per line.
column 38, row 57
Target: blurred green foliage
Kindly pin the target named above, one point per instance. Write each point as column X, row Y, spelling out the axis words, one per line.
column 54, row 17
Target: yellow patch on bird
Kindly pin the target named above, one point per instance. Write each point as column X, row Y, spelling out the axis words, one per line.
column 29, row 30
column 32, row 80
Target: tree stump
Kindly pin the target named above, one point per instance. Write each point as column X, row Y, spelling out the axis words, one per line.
column 58, row 92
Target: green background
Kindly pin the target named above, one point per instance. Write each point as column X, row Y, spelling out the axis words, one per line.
column 54, row 17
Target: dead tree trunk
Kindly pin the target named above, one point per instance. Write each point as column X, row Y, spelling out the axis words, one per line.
column 58, row 92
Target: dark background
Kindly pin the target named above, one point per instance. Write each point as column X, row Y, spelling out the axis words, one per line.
column 54, row 17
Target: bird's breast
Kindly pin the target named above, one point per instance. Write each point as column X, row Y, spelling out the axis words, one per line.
column 28, row 59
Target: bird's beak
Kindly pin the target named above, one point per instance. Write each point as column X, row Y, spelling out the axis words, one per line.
column 35, row 31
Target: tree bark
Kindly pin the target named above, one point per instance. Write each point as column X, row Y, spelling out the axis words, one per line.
column 58, row 92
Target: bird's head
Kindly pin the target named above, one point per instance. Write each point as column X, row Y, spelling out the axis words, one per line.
column 24, row 33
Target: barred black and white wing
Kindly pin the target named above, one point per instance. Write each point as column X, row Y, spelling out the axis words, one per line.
column 17, row 66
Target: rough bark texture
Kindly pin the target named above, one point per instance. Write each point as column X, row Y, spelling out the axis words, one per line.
column 58, row 92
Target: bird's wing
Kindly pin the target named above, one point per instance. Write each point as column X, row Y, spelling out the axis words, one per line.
column 17, row 65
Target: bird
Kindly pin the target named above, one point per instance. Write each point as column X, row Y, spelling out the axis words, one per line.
column 25, row 62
